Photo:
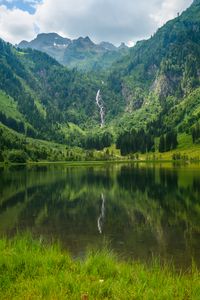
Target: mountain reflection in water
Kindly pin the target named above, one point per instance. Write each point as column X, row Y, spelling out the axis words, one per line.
column 151, row 210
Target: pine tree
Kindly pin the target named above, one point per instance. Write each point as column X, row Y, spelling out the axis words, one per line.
column 174, row 140
column 168, row 141
column 162, row 144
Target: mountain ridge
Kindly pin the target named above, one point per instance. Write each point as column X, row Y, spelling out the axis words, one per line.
column 150, row 95
column 72, row 53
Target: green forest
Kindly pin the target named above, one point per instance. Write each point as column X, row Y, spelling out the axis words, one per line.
column 150, row 94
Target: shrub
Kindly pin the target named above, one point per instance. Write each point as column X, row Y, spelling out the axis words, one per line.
column 17, row 156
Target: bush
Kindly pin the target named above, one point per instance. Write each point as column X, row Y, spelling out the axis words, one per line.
column 17, row 156
column 178, row 156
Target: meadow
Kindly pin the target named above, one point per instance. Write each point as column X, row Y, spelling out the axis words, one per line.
column 32, row 269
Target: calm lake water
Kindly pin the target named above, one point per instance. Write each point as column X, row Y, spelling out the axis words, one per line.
column 140, row 211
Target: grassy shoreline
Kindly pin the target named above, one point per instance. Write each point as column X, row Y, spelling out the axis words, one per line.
column 97, row 162
column 30, row 269
column 84, row 163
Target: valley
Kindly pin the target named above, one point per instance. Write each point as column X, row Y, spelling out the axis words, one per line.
column 146, row 103
column 100, row 149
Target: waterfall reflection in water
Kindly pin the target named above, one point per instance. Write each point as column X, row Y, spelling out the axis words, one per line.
column 100, row 220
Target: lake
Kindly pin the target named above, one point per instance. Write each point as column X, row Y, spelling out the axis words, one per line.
column 138, row 210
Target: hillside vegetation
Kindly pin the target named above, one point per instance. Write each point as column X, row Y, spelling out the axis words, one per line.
column 30, row 270
column 151, row 96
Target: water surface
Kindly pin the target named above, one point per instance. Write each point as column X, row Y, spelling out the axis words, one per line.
column 141, row 211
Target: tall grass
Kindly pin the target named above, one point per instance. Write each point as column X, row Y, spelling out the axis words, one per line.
column 29, row 269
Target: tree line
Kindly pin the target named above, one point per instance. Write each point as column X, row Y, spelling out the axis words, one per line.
column 196, row 133
column 135, row 141
column 168, row 141
column 98, row 141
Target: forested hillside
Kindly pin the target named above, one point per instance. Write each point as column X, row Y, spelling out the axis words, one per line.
column 159, row 80
column 150, row 98
column 49, row 95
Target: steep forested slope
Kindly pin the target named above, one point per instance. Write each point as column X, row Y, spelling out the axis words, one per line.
column 161, row 72
column 151, row 97
column 48, row 95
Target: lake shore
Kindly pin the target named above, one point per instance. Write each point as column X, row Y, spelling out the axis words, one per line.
column 31, row 269
column 100, row 162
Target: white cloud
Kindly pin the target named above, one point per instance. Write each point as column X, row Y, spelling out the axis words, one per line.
column 111, row 20
column 169, row 9
column 16, row 25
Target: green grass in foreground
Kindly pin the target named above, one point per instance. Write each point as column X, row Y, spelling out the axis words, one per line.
column 31, row 270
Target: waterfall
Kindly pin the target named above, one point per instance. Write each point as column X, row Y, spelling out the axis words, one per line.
column 102, row 215
column 99, row 103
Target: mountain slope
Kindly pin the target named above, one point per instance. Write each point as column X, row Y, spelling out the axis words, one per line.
column 160, row 72
column 149, row 96
column 42, row 99
column 80, row 53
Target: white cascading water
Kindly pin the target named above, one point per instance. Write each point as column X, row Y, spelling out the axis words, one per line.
column 99, row 103
column 102, row 215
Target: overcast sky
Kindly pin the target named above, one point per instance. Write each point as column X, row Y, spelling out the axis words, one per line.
column 102, row 20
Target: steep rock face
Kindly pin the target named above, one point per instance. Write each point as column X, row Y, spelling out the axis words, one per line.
column 165, row 86
column 79, row 53
column 167, row 64
column 122, row 46
column 108, row 46
column 23, row 44
column 46, row 42
column 50, row 43
column 81, row 49
column 134, row 98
